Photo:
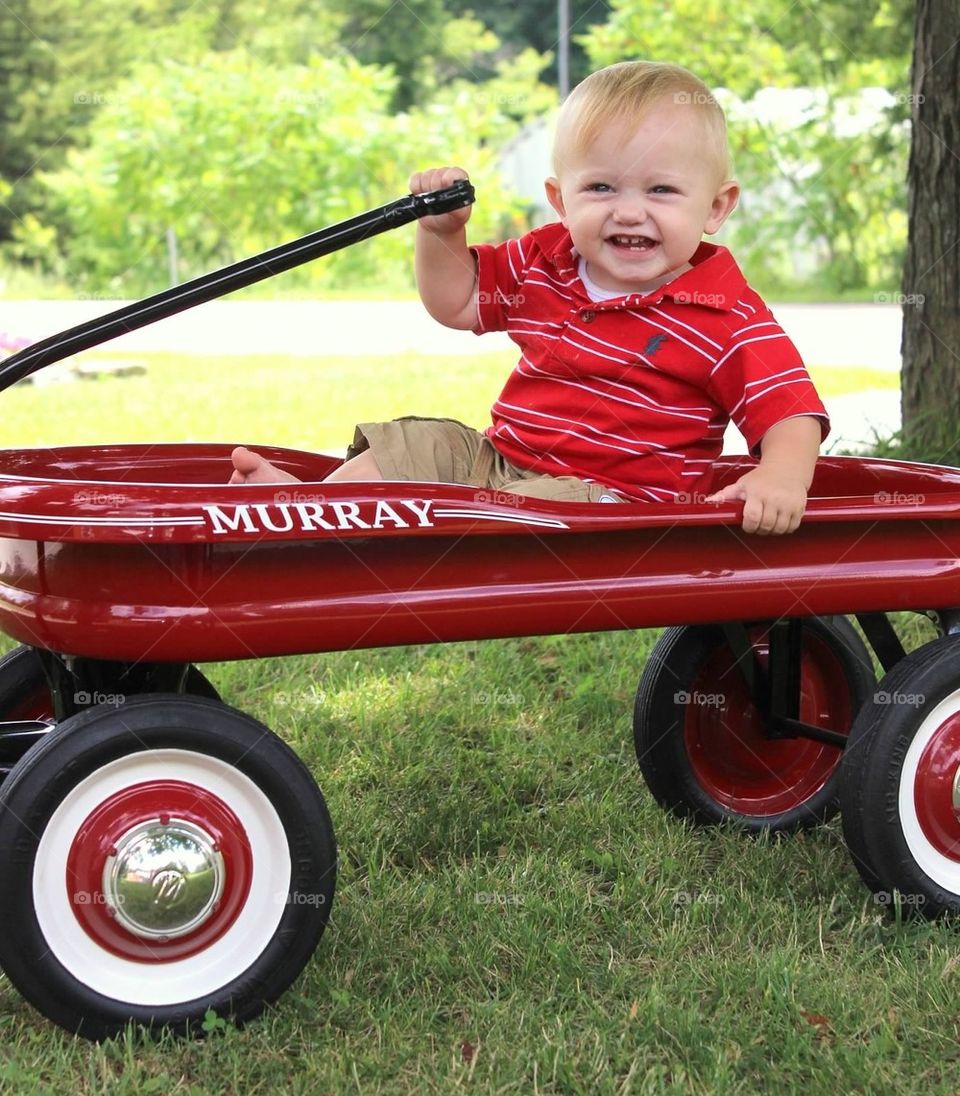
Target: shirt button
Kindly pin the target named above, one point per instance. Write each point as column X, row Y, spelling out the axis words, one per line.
column 588, row 315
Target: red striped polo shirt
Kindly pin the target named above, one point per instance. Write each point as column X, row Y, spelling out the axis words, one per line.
column 634, row 392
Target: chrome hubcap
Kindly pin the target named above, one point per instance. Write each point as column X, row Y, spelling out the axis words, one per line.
column 164, row 878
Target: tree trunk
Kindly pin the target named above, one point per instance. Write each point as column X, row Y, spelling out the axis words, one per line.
column 930, row 387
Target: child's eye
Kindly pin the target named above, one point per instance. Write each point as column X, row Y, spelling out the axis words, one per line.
column 663, row 188
column 599, row 188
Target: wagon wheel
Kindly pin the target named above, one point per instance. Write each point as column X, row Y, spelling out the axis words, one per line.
column 24, row 693
column 702, row 744
column 159, row 860
column 900, row 783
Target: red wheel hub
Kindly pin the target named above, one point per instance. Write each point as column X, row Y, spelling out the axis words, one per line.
column 936, row 788
column 729, row 750
column 159, row 871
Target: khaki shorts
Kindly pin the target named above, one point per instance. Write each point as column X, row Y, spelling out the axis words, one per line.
column 447, row 451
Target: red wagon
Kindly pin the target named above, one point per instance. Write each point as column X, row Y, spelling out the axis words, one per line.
column 162, row 853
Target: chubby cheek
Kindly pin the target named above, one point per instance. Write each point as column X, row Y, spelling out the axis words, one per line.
column 588, row 225
column 583, row 233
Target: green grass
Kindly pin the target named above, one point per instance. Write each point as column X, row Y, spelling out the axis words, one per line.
column 514, row 912
column 508, row 885
column 305, row 402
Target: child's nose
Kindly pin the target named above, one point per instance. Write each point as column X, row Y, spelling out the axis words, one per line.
column 630, row 210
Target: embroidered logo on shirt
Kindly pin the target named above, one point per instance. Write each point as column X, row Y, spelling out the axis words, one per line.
column 654, row 345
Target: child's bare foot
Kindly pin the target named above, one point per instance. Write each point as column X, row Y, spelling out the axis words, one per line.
column 250, row 467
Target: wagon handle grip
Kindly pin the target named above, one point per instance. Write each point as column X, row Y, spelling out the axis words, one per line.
column 237, row 275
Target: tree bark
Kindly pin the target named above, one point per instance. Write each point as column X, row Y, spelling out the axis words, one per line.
column 930, row 385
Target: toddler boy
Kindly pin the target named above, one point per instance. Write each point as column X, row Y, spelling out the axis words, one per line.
column 639, row 341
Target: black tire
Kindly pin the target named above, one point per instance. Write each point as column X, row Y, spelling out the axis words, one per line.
column 23, row 688
column 899, row 784
column 701, row 743
column 24, row 693
column 88, row 791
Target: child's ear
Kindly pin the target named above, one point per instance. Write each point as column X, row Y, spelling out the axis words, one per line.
column 554, row 197
column 724, row 203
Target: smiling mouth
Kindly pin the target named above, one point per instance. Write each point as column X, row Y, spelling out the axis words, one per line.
column 633, row 243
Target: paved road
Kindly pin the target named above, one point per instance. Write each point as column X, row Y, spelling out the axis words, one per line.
column 827, row 334
column 838, row 335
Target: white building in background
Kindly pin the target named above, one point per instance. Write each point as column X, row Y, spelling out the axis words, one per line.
column 525, row 162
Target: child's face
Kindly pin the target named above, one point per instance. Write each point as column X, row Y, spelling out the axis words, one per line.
column 637, row 202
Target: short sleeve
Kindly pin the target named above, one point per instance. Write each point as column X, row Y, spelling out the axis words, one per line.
column 499, row 271
column 760, row 380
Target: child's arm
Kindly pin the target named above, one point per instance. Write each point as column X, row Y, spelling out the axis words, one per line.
column 445, row 268
column 775, row 492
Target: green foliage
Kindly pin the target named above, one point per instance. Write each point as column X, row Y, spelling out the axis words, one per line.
column 723, row 43
column 828, row 182
column 63, row 61
column 769, row 43
column 932, row 440
column 417, row 39
column 237, row 156
column 40, row 45
column 827, row 175
column 60, row 62
column 237, row 124
column 534, row 24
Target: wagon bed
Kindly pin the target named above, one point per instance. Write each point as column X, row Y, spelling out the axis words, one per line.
column 140, row 551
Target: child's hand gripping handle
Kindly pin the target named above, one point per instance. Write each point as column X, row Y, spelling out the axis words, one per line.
column 228, row 278
column 448, row 199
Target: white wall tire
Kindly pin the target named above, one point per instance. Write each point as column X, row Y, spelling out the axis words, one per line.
column 900, row 788
column 207, row 762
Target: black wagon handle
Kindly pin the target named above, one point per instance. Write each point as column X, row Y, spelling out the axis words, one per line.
column 217, row 283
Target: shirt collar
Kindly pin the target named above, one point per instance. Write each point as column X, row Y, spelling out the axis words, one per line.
column 714, row 280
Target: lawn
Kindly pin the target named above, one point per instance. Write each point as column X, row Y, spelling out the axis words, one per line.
column 514, row 913
column 305, row 402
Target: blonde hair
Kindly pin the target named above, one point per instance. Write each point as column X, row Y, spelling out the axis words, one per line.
column 624, row 93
